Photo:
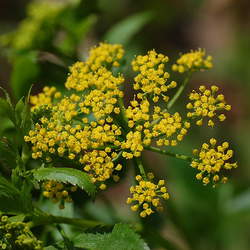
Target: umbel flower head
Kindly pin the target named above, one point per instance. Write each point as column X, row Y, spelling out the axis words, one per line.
column 89, row 126
column 58, row 192
column 212, row 161
column 17, row 235
column 147, row 196
column 152, row 78
column 207, row 103
column 193, row 61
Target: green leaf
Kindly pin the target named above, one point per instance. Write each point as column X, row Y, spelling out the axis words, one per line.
column 51, row 248
column 122, row 237
column 66, row 175
column 25, row 72
column 18, row 111
column 7, row 97
column 124, row 31
column 23, row 116
column 17, row 218
column 7, row 154
column 6, row 107
column 11, row 200
column 5, row 125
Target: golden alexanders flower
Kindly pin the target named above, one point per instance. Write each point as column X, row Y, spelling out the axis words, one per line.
column 152, row 78
column 147, row 196
column 45, row 98
column 150, row 126
column 212, row 161
column 58, row 192
column 17, row 235
column 89, row 126
column 193, row 61
column 207, row 103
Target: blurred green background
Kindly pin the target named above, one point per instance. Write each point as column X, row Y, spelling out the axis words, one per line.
column 38, row 44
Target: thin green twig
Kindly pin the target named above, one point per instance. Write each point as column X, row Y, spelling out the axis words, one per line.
column 124, row 119
column 179, row 91
column 44, row 219
column 138, row 163
column 164, row 152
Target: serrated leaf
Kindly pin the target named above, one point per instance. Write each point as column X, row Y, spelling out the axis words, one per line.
column 123, row 31
column 122, row 237
column 66, row 175
column 11, row 198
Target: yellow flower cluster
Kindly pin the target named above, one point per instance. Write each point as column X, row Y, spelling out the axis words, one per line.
column 17, row 235
column 134, row 144
column 205, row 103
column 70, row 131
column 58, row 192
column 82, row 78
column 159, row 126
column 147, row 196
column 168, row 126
column 50, row 139
column 100, row 86
column 105, row 54
column 212, row 160
column 45, row 98
column 152, row 78
column 99, row 164
column 192, row 61
column 90, row 126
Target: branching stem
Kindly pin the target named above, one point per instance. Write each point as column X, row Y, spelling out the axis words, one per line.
column 138, row 163
column 44, row 219
column 179, row 91
column 164, row 152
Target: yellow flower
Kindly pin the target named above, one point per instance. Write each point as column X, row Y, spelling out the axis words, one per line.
column 159, row 126
column 152, row 77
column 58, row 192
column 17, row 235
column 206, row 103
column 45, row 98
column 89, row 126
column 147, row 196
column 192, row 61
column 211, row 161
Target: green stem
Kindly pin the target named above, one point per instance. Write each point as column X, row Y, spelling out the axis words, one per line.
column 50, row 219
column 179, row 91
column 138, row 163
column 67, row 243
column 124, row 119
column 164, row 152
column 118, row 156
